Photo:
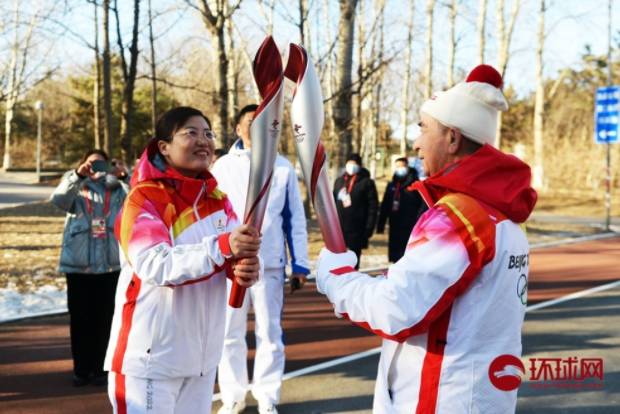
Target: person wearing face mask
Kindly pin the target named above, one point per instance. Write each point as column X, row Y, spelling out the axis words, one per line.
column 90, row 258
column 181, row 240
column 401, row 204
column 356, row 203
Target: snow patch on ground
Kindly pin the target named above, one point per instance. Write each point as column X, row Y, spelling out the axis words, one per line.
column 48, row 299
column 15, row 305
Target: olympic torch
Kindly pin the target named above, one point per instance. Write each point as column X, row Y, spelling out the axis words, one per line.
column 307, row 121
column 265, row 135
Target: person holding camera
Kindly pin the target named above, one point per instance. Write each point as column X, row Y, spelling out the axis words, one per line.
column 92, row 195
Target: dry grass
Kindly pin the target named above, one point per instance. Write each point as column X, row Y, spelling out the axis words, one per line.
column 30, row 240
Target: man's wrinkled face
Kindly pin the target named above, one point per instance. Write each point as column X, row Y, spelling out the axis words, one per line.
column 432, row 145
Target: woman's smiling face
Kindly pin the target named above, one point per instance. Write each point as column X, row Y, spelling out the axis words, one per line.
column 190, row 151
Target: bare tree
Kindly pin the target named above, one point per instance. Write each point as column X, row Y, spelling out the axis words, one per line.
column 504, row 36
column 97, row 83
column 108, row 131
column 304, row 24
column 429, row 50
column 214, row 14
column 405, row 92
column 539, row 106
column 231, row 75
column 376, row 109
column 329, row 81
column 453, row 6
column 129, row 78
column 19, row 56
column 268, row 17
column 153, row 70
column 343, row 116
column 482, row 18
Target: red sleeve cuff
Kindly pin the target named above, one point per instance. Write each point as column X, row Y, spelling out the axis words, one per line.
column 224, row 243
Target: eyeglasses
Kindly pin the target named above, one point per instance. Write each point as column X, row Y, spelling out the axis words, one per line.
column 194, row 134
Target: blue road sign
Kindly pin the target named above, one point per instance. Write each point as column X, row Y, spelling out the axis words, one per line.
column 607, row 115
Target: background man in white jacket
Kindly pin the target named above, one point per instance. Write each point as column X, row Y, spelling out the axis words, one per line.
column 284, row 224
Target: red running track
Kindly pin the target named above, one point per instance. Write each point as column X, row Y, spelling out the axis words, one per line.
column 35, row 355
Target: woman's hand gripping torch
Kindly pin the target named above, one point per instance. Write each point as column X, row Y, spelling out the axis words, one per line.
column 265, row 136
column 307, row 121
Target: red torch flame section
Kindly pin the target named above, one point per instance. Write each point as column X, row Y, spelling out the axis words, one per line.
column 296, row 66
column 267, row 72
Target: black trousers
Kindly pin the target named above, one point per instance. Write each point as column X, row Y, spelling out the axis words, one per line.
column 91, row 308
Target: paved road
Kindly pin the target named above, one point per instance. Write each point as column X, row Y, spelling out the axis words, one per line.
column 35, row 358
column 15, row 188
column 552, row 218
column 587, row 327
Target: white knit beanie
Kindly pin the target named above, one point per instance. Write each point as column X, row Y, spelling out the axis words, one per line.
column 471, row 106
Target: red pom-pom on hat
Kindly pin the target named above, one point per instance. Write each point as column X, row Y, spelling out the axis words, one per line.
column 486, row 74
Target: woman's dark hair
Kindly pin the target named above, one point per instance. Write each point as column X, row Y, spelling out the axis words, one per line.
column 174, row 119
column 91, row 152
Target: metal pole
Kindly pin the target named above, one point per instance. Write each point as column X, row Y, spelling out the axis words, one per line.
column 39, row 107
column 608, row 175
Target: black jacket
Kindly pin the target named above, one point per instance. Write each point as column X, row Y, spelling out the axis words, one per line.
column 410, row 208
column 358, row 220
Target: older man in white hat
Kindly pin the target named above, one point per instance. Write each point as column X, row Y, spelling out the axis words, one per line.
column 451, row 310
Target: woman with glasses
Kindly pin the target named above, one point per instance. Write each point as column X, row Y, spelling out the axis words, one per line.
column 180, row 239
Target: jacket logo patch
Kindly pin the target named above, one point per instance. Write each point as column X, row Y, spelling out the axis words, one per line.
column 220, row 225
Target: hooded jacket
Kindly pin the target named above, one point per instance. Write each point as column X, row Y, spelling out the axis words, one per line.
column 171, row 297
column 284, row 222
column 456, row 301
column 86, row 199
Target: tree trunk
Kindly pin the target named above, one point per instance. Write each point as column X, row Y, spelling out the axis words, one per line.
column 153, row 73
column 304, row 25
column 504, row 37
column 359, row 142
column 231, row 77
column 11, row 96
column 16, row 73
column 220, row 96
column 108, row 132
column 97, row 86
column 539, row 107
column 377, row 99
column 214, row 14
column 404, row 107
column 429, row 50
column 452, row 44
column 343, row 117
column 482, row 18
column 329, row 80
column 128, row 89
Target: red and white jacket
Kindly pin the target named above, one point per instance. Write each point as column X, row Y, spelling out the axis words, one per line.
column 456, row 300
column 171, row 296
